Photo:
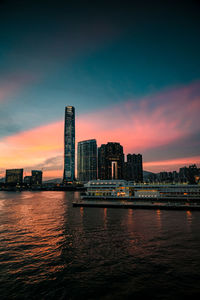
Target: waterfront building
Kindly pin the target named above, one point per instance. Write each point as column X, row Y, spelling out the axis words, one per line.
column 109, row 189
column 110, row 161
column 69, row 145
column 87, row 160
column 163, row 176
column 14, row 177
column 36, row 178
column 175, row 176
column 189, row 174
column 133, row 169
column 28, row 180
column 104, row 188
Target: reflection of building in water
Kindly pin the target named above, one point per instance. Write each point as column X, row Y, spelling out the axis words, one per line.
column 42, row 222
column 158, row 214
column 110, row 161
column 130, row 217
column 189, row 216
column 81, row 211
column 105, row 217
column 14, row 176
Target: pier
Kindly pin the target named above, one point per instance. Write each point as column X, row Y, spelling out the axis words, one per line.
column 137, row 204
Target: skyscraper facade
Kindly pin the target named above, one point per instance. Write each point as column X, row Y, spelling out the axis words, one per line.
column 36, row 178
column 14, row 177
column 87, row 160
column 110, row 161
column 133, row 169
column 69, row 145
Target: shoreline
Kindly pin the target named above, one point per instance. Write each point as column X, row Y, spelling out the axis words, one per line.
column 65, row 189
column 136, row 205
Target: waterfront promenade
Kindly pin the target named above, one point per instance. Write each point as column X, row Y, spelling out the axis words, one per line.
column 137, row 204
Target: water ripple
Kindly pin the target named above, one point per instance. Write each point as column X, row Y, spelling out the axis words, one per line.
column 48, row 250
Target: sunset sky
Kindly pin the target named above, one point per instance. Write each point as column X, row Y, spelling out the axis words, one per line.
column 132, row 71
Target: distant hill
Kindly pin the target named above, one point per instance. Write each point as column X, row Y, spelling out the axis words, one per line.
column 147, row 173
column 54, row 180
column 59, row 180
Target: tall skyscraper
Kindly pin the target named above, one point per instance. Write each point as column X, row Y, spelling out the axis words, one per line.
column 87, row 160
column 69, row 145
column 110, row 161
column 133, row 169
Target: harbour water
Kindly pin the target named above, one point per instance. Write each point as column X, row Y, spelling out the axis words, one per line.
column 52, row 250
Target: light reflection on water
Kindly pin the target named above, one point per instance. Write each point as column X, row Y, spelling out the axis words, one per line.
column 105, row 217
column 34, row 234
column 49, row 247
column 189, row 217
column 159, row 218
column 1, row 204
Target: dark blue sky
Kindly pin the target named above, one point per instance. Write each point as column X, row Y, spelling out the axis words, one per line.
column 91, row 54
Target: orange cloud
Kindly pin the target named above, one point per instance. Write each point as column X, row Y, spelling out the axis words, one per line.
column 138, row 125
column 32, row 147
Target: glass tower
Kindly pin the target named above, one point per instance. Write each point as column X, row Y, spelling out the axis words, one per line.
column 69, row 145
column 87, row 160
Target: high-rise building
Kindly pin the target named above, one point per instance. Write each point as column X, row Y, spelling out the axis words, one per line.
column 14, row 176
column 69, row 145
column 28, row 180
column 188, row 174
column 36, row 178
column 87, row 160
column 110, row 161
column 133, row 169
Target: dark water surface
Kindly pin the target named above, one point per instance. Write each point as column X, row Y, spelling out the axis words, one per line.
column 50, row 250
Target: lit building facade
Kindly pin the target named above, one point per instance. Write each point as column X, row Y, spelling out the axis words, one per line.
column 87, row 160
column 133, row 168
column 69, row 145
column 36, row 178
column 189, row 174
column 110, row 161
column 14, row 177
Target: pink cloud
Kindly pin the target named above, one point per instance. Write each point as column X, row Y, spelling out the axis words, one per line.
column 140, row 125
column 153, row 121
column 32, row 146
column 171, row 164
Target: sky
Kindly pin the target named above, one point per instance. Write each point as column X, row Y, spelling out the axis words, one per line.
column 131, row 69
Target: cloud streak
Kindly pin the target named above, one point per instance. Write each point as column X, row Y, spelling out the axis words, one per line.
column 147, row 123
column 140, row 125
column 171, row 164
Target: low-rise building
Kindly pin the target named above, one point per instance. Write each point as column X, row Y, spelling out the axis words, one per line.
column 14, row 177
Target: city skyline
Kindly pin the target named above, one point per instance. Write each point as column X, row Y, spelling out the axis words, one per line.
column 169, row 165
column 130, row 69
